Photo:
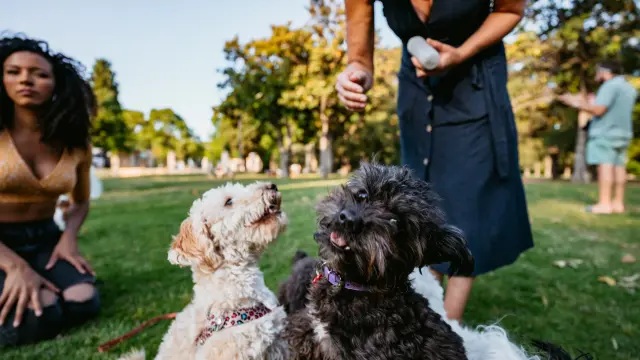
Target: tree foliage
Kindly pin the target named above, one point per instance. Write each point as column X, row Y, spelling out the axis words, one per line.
column 110, row 132
column 281, row 100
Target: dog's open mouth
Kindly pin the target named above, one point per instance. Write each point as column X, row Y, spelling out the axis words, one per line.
column 338, row 241
column 272, row 209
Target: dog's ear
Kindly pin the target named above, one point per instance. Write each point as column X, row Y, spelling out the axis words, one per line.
column 211, row 257
column 449, row 245
column 188, row 249
column 180, row 251
column 299, row 256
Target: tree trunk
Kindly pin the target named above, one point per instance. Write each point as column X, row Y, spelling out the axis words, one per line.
column 556, row 171
column 240, row 146
column 310, row 160
column 326, row 153
column 284, row 147
column 580, row 173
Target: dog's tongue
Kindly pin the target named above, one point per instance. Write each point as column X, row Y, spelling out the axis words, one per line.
column 337, row 240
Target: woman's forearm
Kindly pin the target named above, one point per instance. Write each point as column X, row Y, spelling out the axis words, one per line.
column 505, row 17
column 77, row 214
column 360, row 32
column 9, row 259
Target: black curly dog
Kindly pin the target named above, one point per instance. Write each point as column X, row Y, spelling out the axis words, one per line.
column 373, row 232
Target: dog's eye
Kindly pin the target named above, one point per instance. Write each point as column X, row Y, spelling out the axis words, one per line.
column 229, row 202
column 362, row 195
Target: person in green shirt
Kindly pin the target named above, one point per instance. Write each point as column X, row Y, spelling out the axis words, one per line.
column 610, row 132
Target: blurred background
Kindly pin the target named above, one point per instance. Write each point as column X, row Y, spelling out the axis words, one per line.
column 208, row 86
column 192, row 93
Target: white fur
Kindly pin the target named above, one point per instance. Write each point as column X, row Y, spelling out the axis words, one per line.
column 222, row 245
column 484, row 343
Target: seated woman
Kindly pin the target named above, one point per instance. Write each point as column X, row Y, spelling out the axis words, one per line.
column 45, row 284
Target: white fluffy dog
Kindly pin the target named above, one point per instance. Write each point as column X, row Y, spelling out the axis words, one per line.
column 233, row 315
column 485, row 343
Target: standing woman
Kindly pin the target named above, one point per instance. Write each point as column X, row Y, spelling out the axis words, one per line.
column 45, row 284
column 457, row 128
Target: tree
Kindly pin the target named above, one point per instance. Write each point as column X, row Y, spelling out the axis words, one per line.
column 110, row 131
column 282, row 99
column 164, row 131
column 136, row 123
column 530, row 61
column 583, row 32
column 259, row 73
column 327, row 60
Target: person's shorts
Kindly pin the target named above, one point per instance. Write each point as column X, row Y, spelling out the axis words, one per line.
column 602, row 151
column 34, row 242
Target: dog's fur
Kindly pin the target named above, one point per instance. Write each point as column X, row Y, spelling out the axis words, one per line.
column 293, row 293
column 222, row 240
column 375, row 231
column 489, row 342
column 485, row 342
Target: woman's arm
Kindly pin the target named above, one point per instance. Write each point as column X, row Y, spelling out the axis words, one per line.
column 9, row 259
column 80, row 196
column 504, row 18
column 67, row 247
column 360, row 33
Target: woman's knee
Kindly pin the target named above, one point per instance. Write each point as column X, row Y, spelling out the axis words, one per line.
column 81, row 302
column 47, row 298
column 79, row 292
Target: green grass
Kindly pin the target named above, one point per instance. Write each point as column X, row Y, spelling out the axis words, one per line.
column 128, row 232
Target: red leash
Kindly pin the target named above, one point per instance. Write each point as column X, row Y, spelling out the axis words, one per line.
column 109, row 344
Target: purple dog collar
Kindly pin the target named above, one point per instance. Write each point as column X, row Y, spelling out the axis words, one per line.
column 336, row 280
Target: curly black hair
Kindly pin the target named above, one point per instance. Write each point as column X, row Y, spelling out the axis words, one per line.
column 66, row 123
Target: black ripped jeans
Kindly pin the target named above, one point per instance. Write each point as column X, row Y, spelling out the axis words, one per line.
column 34, row 242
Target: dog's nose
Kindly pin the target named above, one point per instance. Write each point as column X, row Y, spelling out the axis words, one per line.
column 350, row 219
column 272, row 186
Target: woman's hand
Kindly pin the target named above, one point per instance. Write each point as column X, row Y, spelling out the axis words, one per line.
column 352, row 85
column 449, row 57
column 67, row 249
column 21, row 289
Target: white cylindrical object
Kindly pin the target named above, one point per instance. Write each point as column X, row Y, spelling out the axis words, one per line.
column 428, row 57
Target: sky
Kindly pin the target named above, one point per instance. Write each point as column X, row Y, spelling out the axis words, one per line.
column 165, row 53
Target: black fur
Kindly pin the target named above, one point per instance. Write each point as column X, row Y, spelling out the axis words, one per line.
column 554, row 352
column 395, row 226
column 293, row 292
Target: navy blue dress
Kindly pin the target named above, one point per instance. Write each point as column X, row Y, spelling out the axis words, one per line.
column 458, row 131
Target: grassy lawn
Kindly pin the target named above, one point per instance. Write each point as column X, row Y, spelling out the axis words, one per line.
column 129, row 230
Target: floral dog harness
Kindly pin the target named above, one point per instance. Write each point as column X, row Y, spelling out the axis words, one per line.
column 231, row 318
